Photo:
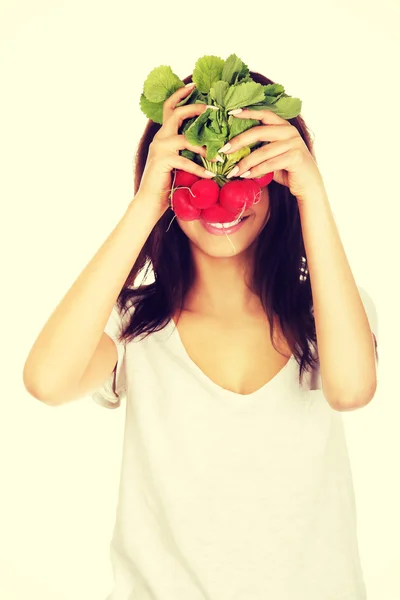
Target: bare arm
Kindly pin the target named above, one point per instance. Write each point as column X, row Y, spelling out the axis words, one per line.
column 66, row 344
column 345, row 341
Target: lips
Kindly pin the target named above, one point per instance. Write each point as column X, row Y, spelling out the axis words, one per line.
column 223, row 230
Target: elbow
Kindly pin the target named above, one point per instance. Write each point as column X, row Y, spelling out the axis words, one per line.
column 34, row 390
column 38, row 395
column 345, row 401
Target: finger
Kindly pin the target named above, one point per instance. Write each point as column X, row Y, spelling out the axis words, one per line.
column 267, row 117
column 253, row 160
column 276, row 163
column 260, row 133
column 184, row 164
column 179, row 142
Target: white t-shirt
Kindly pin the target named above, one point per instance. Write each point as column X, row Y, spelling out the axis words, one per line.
column 224, row 496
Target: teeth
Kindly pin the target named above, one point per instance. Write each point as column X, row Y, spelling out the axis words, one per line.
column 225, row 225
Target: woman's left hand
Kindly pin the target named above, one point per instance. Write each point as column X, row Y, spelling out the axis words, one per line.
column 286, row 155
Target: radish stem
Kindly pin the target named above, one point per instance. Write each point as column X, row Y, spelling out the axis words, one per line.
column 172, row 190
column 172, row 220
column 231, row 243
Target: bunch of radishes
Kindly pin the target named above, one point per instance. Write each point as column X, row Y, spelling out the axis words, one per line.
column 195, row 198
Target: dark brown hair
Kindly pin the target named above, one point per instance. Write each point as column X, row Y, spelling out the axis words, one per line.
column 278, row 254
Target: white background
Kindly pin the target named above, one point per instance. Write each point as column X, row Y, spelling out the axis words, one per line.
column 71, row 77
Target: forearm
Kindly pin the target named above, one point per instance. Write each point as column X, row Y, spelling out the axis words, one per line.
column 66, row 344
column 345, row 343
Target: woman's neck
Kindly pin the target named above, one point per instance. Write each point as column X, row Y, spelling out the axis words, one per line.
column 221, row 288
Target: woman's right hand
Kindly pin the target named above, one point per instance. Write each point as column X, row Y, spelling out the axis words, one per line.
column 163, row 157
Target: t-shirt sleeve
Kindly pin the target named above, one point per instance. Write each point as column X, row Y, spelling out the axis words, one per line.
column 113, row 389
column 370, row 309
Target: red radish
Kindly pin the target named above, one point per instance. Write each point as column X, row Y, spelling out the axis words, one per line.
column 180, row 204
column 257, row 191
column 217, row 214
column 264, row 180
column 236, row 196
column 205, row 193
column 185, row 179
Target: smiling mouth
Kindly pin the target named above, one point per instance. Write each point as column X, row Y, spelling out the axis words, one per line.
column 226, row 225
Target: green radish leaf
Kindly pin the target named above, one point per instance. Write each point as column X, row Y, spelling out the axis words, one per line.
column 214, row 122
column 218, row 92
column 243, row 94
column 244, row 76
column 212, row 148
column 152, row 110
column 287, row 108
column 193, row 156
column 186, row 124
column 201, row 98
column 219, row 123
column 232, row 68
column 190, row 98
column 223, row 123
column 273, row 89
column 188, row 154
column 235, row 157
column 237, row 126
column 193, row 133
column 161, row 83
column 207, row 71
column 209, row 136
column 268, row 100
column 200, row 134
column 271, row 99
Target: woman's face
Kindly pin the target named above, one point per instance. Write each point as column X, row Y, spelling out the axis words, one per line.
column 219, row 246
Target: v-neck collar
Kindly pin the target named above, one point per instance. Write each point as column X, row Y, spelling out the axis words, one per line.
column 285, row 376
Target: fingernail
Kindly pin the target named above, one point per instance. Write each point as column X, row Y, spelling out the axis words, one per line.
column 233, row 172
column 247, row 174
column 225, row 148
column 190, row 84
column 209, row 174
column 235, row 112
column 213, row 107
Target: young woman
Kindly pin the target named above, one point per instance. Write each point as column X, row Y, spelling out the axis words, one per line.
column 235, row 367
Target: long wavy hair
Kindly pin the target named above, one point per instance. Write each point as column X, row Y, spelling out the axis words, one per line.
column 278, row 258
